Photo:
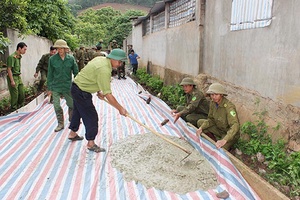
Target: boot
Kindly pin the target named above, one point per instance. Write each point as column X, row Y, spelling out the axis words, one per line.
column 60, row 120
column 70, row 111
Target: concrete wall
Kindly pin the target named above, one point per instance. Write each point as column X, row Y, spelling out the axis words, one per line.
column 36, row 47
column 263, row 59
column 258, row 67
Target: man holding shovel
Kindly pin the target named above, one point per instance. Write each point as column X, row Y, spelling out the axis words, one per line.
column 94, row 77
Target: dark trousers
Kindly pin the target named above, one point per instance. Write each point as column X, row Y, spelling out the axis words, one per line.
column 134, row 68
column 121, row 71
column 84, row 108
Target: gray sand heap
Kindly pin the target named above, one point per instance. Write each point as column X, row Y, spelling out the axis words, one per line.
column 153, row 162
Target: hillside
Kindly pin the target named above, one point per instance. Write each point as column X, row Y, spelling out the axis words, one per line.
column 121, row 7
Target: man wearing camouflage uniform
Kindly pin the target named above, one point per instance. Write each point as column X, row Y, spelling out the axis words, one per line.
column 42, row 67
column 222, row 121
column 196, row 104
column 99, row 45
column 80, row 58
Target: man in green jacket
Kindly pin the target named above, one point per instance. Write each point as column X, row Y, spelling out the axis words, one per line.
column 60, row 69
column 95, row 77
column 42, row 67
column 222, row 121
column 196, row 106
column 14, row 80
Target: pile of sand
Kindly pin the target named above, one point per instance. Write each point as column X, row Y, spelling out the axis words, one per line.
column 153, row 162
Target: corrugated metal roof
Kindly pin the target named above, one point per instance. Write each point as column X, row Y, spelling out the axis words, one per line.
column 157, row 7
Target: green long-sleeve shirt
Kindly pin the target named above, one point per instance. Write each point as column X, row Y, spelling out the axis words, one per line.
column 60, row 72
column 195, row 103
column 223, row 116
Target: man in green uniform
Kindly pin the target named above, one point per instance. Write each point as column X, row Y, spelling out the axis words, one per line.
column 99, row 45
column 95, row 77
column 80, row 57
column 42, row 67
column 222, row 121
column 60, row 69
column 14, row 80
column 113, row 45
column 196, row 106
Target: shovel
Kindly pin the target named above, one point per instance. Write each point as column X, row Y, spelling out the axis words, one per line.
column 158, row 134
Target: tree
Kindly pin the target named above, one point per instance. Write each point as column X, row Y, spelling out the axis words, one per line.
column 50, row 18
column 13, row 15
column 106, row 23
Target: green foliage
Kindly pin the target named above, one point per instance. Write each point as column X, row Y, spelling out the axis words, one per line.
column 284, row 168
column 142, row 75
column 106, row 23
column 88, row 3
column 30, row 90
column 4, row 103
column 172, row 95
column 4, row 42
column 155, row 84
column 50, row 18
column 13, row 15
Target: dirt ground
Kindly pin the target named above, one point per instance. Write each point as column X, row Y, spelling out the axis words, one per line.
column 154, row 162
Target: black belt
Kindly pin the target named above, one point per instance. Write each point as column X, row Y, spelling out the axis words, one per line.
column 16, row 74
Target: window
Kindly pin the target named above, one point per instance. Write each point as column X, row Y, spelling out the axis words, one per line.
column 248, row 14
column 158, row 22
column 182, row 11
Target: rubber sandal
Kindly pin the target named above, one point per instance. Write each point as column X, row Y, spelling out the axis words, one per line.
column 96, row 149
column 77, row 137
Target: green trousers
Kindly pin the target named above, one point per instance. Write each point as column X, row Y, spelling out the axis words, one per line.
column 193, row 117
column 17, row 93
column 219, row 134
column 43, row 79
column 57, row 107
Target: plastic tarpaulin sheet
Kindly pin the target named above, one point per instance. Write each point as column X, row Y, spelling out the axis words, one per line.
column 37, row 163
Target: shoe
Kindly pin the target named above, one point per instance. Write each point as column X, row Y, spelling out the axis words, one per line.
column 77, row 137
column 59, row 128
column 96, row 149
column 124, row 77
column 119, row 78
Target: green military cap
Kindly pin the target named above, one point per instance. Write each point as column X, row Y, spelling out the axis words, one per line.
column 117, row 54
column 187, row 81
column 216, row 88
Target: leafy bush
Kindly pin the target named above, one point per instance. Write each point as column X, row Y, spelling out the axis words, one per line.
column 155, row 84
column 172, row 95
column 4, row 103
column 284, row 168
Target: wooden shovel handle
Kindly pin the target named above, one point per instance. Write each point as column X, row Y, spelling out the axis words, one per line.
column 154, row 132
column 158, row 134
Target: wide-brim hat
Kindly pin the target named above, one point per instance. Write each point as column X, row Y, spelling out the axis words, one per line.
column 60, row 44
column 216, row 88
column 117, row 54
column 187, row 81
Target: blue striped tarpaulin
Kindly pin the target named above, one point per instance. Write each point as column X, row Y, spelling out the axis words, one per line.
column 37, row 163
